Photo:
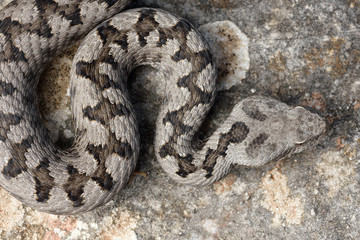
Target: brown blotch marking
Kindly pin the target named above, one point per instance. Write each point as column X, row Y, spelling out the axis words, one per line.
column 146, row 24
column 9, row 51
column 185, row 168
column 163, row 38
column 252, row 111
column 103, row 179
column 253, row 148
column 70, row 12
column 43, row 181
column 179, row 31
column 17, row 164
column 6, row 88
column 120, row 147
column 100, row 176
column 198, row 96
column 236, row 134
column 74, row 187
column 173, row 118
column 168, row 150
column 90, row 70
column 11, row 29
column 184, row 163
column 110, row 3
column 107, row 32
column 200, row 60
column 106, row 57
column 122, row 41
column 124, row 149
column 203, row 58
column 101, row 153
column 105, row 110
column 6, row 121
column 44, row 7
column 74, row 17
column 96, row 151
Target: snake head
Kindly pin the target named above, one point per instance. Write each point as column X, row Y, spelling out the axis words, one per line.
column 276, row 130
column 310, row 127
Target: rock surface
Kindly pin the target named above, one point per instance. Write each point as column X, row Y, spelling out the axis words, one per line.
column 301, row 52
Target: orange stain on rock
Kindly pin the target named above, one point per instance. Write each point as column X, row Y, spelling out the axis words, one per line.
column 225, row 184
column 357, row 106
column 332, row 58
column 278, row 62
column 53, row 224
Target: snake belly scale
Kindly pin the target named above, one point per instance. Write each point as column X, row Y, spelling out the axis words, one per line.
column 106, row 146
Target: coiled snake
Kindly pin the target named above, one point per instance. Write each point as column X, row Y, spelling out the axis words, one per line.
column 106, row 147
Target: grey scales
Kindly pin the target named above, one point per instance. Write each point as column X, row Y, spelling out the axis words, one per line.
column 105, row 151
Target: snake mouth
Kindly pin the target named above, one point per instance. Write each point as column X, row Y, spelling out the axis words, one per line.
column 286, row 154
column 325, row 129
column 310, row 142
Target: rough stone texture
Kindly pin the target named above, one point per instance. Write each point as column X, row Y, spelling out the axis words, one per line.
column 301, row 52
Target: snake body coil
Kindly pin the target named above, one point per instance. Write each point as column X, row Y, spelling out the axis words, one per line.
column 106, row 147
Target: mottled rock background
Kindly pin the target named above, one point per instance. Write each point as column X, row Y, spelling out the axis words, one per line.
column 299, row 51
